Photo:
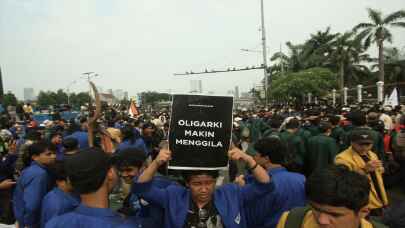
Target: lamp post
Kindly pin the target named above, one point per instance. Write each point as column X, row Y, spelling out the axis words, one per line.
column 266, row 70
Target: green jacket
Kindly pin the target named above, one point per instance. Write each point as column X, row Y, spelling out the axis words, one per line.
column 295, row 145
column 321, row 152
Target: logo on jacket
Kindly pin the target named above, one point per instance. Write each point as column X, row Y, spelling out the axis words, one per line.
column 237, row 219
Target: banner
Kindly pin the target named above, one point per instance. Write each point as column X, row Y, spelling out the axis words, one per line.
column 200, row 132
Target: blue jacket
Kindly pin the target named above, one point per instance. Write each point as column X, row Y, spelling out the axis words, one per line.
column 7, row 166
column 57, row 202
column 82, row 138
column 59, row 152
column 147, row 214
column 138, row 143
column 229, row 200
column 289, row 192
column 86, row 217
column 31, row 187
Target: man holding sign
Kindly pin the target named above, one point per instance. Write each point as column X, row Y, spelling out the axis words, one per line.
column 200, row 204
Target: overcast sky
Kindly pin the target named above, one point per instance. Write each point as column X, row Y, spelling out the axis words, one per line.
column 137, row 45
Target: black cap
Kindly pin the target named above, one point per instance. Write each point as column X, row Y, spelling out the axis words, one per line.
column 130, row 156
column 88, row 167
column 362, row 136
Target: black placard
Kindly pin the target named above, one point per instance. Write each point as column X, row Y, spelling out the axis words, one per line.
column 200, row 131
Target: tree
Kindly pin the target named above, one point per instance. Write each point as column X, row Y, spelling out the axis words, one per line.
column 317, row 49
column 294, row 85
column 79, row 99
column 151, row 97
column 46, row 98
column 347, row 52
column 377, row 32
column 9, row 99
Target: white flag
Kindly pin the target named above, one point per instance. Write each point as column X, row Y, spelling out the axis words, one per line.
column 393, row 99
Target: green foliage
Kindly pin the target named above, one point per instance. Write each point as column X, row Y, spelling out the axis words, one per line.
column 151, row 97
column 47, row 98
column 294, row 85
column 9, row 99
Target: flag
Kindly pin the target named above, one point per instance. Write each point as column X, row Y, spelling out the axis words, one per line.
column 392, row 100
column 133, row 111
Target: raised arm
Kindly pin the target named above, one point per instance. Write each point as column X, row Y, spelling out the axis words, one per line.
column 163, row 157
column 258, row 172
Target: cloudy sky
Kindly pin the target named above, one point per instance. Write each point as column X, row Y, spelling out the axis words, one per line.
column 137, row 45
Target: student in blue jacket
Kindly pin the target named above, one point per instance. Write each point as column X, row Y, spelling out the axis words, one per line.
column 35, row 181
column 200, row 204
column 131, row 162
column 289, row 191
column 92, row 175
column 60, row 200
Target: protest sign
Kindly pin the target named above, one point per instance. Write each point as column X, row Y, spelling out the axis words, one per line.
column 200, row 132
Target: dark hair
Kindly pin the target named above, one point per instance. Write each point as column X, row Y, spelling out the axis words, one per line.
column 339, row 187
column 334, row 119
column 324, row 126
column 272, row 147
column 33, row 135
column 87, row 169
column 357, row 118
column 58, row 171
column 70, row 144
column 187, row 174
column 292, row 124
column 276, row 121
column 34, row 149
column 38, row 148
column 129, row 157
column 128, row 134
column 54, row 133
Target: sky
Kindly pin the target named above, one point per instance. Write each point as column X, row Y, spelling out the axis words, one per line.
column 137, row 45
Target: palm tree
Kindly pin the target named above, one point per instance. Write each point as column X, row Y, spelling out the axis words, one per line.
column 318, row 47
column 377, row 32
column 347, row 53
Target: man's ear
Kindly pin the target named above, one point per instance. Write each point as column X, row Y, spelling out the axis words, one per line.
column 34, row 157
column 364, row 212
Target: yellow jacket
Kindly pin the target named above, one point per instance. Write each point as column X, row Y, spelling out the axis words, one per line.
column 310, row 221
column 354, row 162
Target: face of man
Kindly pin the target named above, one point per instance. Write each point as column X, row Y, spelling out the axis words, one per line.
column 202, row 187
column 334, row 217
column 46, row 158
column 129, row 172
column 57, row 139
column 148, row 132
column 260, row 159
column 362, row 147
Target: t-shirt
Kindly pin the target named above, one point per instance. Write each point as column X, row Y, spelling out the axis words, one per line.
column 205, row 217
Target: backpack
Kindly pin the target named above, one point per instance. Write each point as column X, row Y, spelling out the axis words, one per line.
column 296, row 217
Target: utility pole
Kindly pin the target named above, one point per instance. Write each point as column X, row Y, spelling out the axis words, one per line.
column 88, row 76
column 1, row 88
column 266, row 73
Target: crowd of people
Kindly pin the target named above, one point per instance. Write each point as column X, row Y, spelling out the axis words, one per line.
column 316, row 166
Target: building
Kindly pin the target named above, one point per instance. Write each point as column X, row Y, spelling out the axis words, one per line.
column 29, row 94
column 236, row 94
column 196, row 86
column 119, row 94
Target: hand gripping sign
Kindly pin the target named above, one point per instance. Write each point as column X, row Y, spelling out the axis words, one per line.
column 200, row 132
